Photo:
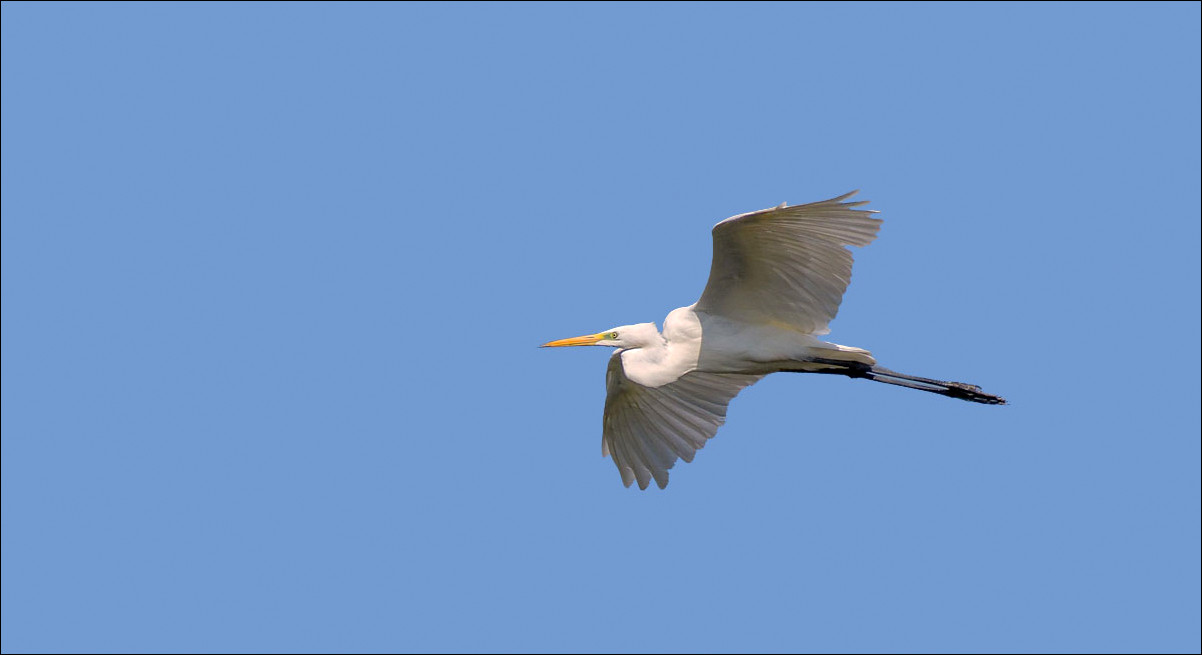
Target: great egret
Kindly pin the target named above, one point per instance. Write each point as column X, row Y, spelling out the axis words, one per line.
column 776, row 281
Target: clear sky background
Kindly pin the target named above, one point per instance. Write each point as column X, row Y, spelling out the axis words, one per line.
column 274, row 274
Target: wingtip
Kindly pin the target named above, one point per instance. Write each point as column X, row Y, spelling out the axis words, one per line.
column 627, row 476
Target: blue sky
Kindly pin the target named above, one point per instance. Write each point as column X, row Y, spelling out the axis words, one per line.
column 274, row 274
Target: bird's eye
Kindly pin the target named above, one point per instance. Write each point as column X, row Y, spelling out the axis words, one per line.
column 613, row 336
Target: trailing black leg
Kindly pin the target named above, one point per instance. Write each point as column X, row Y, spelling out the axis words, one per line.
column 960, row 390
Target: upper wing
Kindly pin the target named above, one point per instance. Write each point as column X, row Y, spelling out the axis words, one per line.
column 787, row 264
column 647, row 428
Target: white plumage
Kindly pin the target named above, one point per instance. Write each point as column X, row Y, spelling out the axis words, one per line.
column 776, row 281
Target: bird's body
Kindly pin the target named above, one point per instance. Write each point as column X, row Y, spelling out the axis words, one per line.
column 776, row 282
column 693, row 340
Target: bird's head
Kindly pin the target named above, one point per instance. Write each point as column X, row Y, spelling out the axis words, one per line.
column 641, row 335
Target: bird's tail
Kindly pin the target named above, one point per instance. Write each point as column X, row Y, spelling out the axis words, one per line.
column 961, row 390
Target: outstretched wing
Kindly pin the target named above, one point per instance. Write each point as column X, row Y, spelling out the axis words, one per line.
column 788, row 264
column 647, row 428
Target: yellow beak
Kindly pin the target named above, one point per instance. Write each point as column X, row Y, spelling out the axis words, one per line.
column 587, row 340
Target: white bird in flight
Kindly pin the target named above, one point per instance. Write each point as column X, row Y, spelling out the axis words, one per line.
column 776, row 281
